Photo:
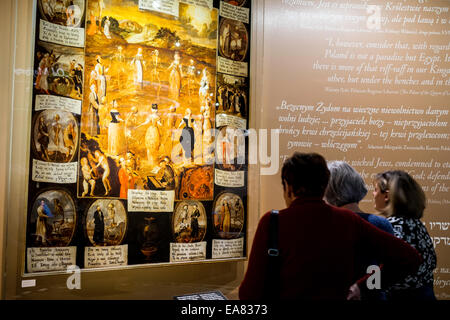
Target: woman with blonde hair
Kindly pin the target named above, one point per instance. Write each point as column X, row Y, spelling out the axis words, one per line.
column 401, row 199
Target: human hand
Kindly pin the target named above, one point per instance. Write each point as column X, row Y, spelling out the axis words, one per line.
column 354, row 293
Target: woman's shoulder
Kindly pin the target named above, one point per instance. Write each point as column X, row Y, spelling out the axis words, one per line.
column 411, row 222
column 396, row 219
column 380, row 222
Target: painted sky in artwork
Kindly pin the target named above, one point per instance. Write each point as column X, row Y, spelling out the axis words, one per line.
column 198, row 24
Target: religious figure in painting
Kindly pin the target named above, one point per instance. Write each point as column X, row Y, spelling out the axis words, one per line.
column 88, row 178
column 152, row 136
column 204, row 88
column 47, row 7
column 226, row 37
column 101, row 6
column 99, row 226
column 191, row 78
column 116, row 134
column 184, row 217
column 226, row 216
column 112, row 214
column 187, row 138
column 131, row 124
column 57, row 132
column 119, row 59
column 103, row 115
column 69, row 139
column 176, row 75
column 100, row 72
column 138, row 64
column 43, row 138
column 126, row 179
column 77, row 77
column 43, row 72
column 198, row 131
column 93, row 24
column 70, row 14
column 156, row 81
column 194, row 222
column 58, row 212
column 86, row 152
column 236, row 45
column 102, row 161
column 165, row 174
column 41, row 223
column 93, row 118
column 169, row 134
column 226, row 146
column 207, row 135
column 106, row 26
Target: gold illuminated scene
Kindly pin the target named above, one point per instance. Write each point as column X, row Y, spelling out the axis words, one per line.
column 148, row 100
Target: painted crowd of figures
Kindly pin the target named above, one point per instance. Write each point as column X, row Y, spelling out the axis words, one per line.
column 232, row 100
column 188, row 228
column 120, row 129
column 160, row 137
column 229, row 215
column 124, row 144
column 63, row 12
column 125, row 132
column 55, row 77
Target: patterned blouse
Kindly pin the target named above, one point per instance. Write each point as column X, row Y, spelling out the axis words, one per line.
column 415, row 233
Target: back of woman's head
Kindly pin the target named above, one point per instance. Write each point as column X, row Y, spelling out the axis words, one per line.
column 345, row 185
column 406, row 197
column 306, row 173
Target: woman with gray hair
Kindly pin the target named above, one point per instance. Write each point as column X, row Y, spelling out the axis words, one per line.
column 346, row 188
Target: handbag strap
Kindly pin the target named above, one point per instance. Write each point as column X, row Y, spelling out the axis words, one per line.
column 273, row 267
column 273, row 234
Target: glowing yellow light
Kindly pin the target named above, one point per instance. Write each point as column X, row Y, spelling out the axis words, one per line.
column 199, row 16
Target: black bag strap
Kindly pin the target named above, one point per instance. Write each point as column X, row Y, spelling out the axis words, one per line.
column 273, row 267
column 273, row 235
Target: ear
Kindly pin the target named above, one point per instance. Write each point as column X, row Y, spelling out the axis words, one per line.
column 290, row 190
column 386, row 196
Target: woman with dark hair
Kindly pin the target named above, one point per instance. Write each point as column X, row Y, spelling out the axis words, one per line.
column 317, row 243
column 346, row 189
column 399, row 197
